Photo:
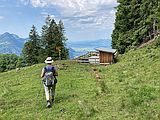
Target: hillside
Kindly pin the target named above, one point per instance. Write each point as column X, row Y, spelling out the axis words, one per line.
column 127, row 90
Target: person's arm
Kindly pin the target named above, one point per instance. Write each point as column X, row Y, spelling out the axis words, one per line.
column 42, row 73
column 55, row 71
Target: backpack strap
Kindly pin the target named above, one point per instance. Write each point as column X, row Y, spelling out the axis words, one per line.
column 52, row 70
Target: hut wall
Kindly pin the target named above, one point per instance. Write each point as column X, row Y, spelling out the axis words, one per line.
column 94, row 61
column 106, row 57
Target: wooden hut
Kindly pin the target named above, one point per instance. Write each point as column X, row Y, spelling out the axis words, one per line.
column 90, row 57
column 94, row 59
column 106, row 55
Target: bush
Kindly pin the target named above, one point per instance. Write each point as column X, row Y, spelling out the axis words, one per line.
column 8, row 62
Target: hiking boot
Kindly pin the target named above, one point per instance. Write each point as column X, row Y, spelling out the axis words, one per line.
column 52, row 100
column 48, row 104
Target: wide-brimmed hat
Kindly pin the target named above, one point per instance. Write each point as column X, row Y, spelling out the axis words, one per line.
column 48, row 60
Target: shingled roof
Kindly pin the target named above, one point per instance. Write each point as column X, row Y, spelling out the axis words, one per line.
column 106, row 50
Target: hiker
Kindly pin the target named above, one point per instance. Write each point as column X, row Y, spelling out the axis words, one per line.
column 49, row 74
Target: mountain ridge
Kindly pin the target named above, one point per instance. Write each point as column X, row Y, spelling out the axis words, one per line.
column 11, row 43
column 84, row 46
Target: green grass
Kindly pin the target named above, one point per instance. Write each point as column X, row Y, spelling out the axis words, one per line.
column 127, row 90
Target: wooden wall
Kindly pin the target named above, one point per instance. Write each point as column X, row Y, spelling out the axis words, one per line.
column 106, row 57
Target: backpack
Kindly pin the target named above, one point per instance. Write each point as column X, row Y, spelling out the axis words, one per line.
column 49, row 76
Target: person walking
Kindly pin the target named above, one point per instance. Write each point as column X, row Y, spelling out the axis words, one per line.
column 49, row 74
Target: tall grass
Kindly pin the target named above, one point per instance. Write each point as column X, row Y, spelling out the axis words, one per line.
column 127, row 90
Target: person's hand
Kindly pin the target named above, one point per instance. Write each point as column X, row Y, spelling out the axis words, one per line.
column 43, row 79
column 55, row 81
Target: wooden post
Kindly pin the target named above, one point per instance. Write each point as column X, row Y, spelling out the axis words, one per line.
column 150, row 35
column 58, row 48
column 59, row 54
column 154, row 27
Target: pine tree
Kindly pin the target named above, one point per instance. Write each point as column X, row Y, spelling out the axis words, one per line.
column 54, row 39
column 134, row 25
column 32, row 47
column 48, row 37
column 62, row 42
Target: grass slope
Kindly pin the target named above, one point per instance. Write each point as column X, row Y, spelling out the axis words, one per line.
column 127, row 90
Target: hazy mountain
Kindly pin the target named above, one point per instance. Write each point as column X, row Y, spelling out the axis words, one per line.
column 73, row 53
column 11, row 43
column 90, row 43
column 82, row 47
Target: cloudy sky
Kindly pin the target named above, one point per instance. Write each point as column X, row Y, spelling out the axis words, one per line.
column 83, row 19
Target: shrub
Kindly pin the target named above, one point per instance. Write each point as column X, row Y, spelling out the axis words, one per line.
column 8, row 62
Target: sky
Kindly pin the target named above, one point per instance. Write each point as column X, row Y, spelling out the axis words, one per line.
column 83, row 19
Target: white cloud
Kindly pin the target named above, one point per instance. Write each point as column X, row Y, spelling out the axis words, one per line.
column 71, row 7
column 38, row 3
column 35, row 3
column 1, row 17
column 45, row 14
column 83, row 14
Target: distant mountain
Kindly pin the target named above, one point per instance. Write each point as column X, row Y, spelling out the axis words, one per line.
column 73, row 53
column 90, row 43
column 11, row 43
column 81, row 47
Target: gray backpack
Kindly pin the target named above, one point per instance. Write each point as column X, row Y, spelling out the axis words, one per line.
column 49, row 76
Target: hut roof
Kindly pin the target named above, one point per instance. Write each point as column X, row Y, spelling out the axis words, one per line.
column 106, row 50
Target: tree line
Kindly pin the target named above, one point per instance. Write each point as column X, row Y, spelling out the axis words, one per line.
column 10, row 61
column 137, row 21
column 51, row 42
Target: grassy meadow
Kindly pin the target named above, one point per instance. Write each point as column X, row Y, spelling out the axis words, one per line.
column 127, row 90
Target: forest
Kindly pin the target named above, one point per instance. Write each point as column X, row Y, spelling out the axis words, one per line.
column 137, row 21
